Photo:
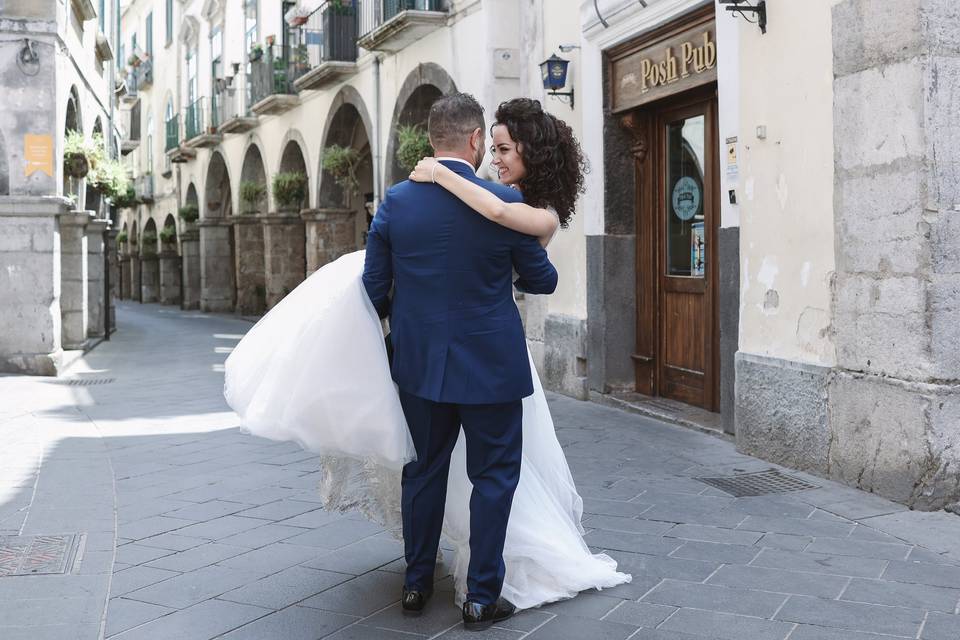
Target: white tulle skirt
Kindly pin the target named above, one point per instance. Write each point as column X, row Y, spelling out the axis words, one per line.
column 314, row 370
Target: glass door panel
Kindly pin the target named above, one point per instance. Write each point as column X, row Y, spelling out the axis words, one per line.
column 684, row 221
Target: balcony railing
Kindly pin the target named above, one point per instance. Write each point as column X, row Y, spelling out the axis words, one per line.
column 201, row 120
column 391, row 25
column 144, row 188
column 330, row 39
column 233, row 109
column 130, row 124
column 193, row 119
column 173, row 133
column 144, row 74
column 272, row 76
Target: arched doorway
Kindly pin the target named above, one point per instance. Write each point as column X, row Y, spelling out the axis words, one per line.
column 420, row 90
column 123, row 251
column 133, row 242
column 345, row 190
column 170, row 291
column 217, row 290
column 283, row 230
column 149, row 263
column 189, row 238
column 248, row 235
column 71, row 123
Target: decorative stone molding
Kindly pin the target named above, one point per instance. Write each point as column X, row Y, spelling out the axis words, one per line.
column 189, row 31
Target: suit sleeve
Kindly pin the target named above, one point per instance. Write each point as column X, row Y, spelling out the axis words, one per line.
column 536, row 273
column 378, row 263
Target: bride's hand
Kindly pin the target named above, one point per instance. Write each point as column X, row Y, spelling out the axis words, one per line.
column 424, row 171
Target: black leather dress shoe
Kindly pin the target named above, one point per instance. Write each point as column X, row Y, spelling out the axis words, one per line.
column 413, row 601
column 477, row 617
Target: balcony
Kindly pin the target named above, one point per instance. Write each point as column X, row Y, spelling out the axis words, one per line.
column 131, row 93
column 330, row 39
column 272, row 78
column 145, row 74
column 233, row 109
column 200, row 123
column 391, row 25
column 175, row 151
column 144, row 188
column 130, row 128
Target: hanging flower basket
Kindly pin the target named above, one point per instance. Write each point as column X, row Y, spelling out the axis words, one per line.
column 297, row 16
column 256, row 52
column 76, row 165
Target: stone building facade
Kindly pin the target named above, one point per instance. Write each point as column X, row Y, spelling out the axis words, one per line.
column 55, row 74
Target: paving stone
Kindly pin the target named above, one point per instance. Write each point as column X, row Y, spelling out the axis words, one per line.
column 526, row 620
column 713, row 534
column 134, row 553
column 713, row 552
column 220, row 528
column 360, row 557
column 360, row 596
column 23, row 612
column 172, row 542
column 197, row 557
column 123, row 614
column 293, row 623
column 852, row 615
column 656, row 566
column 336, row 534
column 725, row 625
column 902, row 594
column 919, row 554
column 200, row 622
column 632, row 525
column 941, row 626
column 188, row 589
column 207, row 510
column 760, row 604
column 363, row 632
column 862, row 548
column 820, row 563
column 640, row 614
column 795, row 526
column 574, row 628
column 262, row 536
column 635, row 542
column 72, row 631
column 286, row 587
column 493, row 633
column 588, row 604
column 784, row 541
column 779, row 581
column 614, row 507
column 312, row 519
column 813, row 632
column 438, row 616
column 272, row 558
column 136, row 578
column 147, row 527
column 923, row 573
column 279, row 510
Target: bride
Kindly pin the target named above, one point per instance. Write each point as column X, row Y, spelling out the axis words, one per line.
column 315, row 370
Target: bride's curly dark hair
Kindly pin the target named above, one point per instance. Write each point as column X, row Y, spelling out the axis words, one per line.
column 551, row 155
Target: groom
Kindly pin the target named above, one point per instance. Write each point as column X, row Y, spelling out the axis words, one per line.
column 460, row 356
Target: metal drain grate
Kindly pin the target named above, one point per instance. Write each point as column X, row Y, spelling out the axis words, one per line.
column 85, row 382
column 36, row 555
column 758, row 484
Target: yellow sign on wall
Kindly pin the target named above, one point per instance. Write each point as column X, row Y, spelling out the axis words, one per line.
column 38, row 152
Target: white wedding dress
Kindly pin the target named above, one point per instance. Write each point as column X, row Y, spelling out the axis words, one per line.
column 314, row 370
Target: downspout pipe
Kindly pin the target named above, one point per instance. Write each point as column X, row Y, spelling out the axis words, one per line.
column 377, row 187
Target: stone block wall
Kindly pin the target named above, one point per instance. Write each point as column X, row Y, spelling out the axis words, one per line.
column 150, row 278
column 216, row 266
column 74, row 298
column 251, row 283
column 330, row 233
column 190, row 252
column 170, row 277
column 284, row 255
column 95, row 278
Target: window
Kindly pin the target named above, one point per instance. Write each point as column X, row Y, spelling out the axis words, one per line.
column 133, row 44
column 102, row 15
column 216, row 72
column 169, row 17
column 150, row 142
column 249, row 38
column 191, row 76
column 150, row 34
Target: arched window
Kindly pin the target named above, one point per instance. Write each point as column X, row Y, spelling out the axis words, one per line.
column 167, row 117
column 149, row 163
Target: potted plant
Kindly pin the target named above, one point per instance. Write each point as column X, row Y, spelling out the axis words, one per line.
column 122, row 237
column 297, row 16
column 413, row 144
column 81, row 155
column 342, row 163
column 148, row 240
column 133, row 60
column 125, row 199
column 109, row 177
column 256, row 52
column 168, row 236
column 289, row 190
column 251, row 194
column 189, row 212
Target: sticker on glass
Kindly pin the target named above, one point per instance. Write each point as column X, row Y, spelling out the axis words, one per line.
column 686, row 198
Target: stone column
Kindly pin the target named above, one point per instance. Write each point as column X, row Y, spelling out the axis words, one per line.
column 95, row 278
column 170, row 275
column 113, row 262
column 149, row 277
column 330, row 233
column 190, row 250
column 248, row 248
column 30, row 341
column 216, row 266
column 126, row 275
column 284, row 254
column 135, row 272
column 73, row 278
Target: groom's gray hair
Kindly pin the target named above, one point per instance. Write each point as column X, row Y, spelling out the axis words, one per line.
column 452, row 119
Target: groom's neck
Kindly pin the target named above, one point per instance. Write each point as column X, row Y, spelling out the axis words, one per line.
column 466, row 156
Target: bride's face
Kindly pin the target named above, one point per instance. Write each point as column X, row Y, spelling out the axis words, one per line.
column 506, row 156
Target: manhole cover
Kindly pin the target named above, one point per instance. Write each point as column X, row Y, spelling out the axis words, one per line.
column 758, row 484
column 35, row 555
column 85, row 382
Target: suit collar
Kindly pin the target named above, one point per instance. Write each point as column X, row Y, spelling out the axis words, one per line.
column 457, row 165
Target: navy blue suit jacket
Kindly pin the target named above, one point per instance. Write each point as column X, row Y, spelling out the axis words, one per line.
column 456, row 332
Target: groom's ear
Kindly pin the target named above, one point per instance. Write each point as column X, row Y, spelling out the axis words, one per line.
column 477, row 137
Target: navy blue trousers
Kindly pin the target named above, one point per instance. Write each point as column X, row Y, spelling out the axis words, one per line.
column 494, row 439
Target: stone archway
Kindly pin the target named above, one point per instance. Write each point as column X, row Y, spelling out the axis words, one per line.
column 283, row 233
column 149, row 263
column 216, row 253
column 123, row 251
column 189, row 237
column 169, row 264
column 133, row 244
column 247, row 237
column 420, row 90
column 72, row 122
column 339, row 225
column 93, row 196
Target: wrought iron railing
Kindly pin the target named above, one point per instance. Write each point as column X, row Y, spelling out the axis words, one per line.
column 275, row 71
column 330, row 33
column 173, row 133
column 144, row 74
column 374, row 13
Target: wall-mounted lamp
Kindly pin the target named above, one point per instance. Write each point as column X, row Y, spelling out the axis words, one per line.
column 567, row 48
column 554, row 72
column 741, row 7
column 28, row 60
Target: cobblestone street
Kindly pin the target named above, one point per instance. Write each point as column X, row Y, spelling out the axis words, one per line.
column 176, row 525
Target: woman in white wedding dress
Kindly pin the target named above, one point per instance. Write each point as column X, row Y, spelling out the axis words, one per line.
column 314, row 370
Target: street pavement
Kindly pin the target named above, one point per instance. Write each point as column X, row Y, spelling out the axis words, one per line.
column 173, row 524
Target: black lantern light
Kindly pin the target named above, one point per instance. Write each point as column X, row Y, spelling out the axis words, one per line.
column 554, row 72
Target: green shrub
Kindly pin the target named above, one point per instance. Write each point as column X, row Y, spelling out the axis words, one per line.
column 252, row 194
column 189, row 212
column 289, row 189
column 413, row 144
column 122, row 237
column 342, row 163
column 168, row 234
column 109, row 177
column 125, row 199
column 148, row 240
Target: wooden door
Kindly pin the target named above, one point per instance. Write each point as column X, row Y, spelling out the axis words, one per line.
column 687, row 219
column 678, row 203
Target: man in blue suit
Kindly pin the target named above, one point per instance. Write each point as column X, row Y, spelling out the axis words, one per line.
column 459, row 354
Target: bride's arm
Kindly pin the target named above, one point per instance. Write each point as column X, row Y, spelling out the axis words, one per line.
column 513, row 215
